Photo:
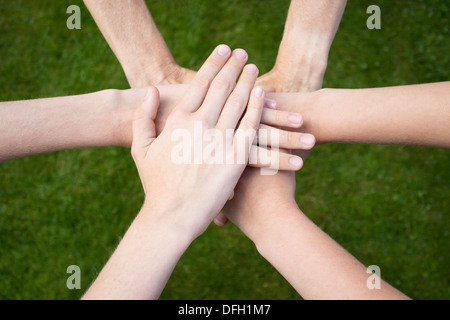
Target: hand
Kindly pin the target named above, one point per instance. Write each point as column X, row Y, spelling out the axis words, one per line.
column 202, row 189
column 259, row 202
column 303, row 53
column 309, row 105
column 293, row 73
column 175, row 74
column 124, row 103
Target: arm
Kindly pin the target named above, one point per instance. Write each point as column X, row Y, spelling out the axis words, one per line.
column 303, row 54
column 150, row 249
column 104, row 119
column 144, row 260
column 44, row 125
column 316, row 266
column 409, row 115
column 129, row 29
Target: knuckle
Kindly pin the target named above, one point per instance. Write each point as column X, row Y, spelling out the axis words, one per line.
column 278, row 117
column 217, row 64
column 236, row 102
column 134, row 152
column 247, row 124
column 256, row 105
column 290, row 139
column 202, row 82
column 223, row 84
column 176, row 117
column 203, row 120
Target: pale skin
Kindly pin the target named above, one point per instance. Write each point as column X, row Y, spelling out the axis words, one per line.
column 403, row 115
column 129, row 29
column 265, row 210
column 310, row 28
column 409, row 115
column 313, row 263
column 318, row 268
column 146, row 256
column 104, row 119
column 247, row 208
column 256, row 218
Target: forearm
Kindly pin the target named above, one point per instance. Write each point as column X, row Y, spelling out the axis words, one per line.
column 130, row 31
column 406, row 115
column 143, row 262
column 306, row 42
column 409, row 115
column 264, row 209
column 314, row 264
column 302, row 25
column 44, row 125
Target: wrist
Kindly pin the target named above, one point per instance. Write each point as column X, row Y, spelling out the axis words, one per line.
column 311, row 111
column 101, row 114
column 273, row 230
column 306, row 47
column 324, row 115
column 260, row 219
column 310, row 105
column 122, row 106
column 158, row 69
column 170, row 223
column 307, row 67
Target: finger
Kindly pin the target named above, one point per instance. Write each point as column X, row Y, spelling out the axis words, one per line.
column 237, row 102
column 262, row 157
column 304, row 154
column 291, row 101
column 246, row 132
column 201, row 82
column 265, row 82
column 144, row 129
column 281, row 118
column 269, row 103
column 220, row 220
column 269, row 136
column 222, row 86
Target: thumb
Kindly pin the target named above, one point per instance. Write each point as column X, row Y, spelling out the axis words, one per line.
column 144, row 129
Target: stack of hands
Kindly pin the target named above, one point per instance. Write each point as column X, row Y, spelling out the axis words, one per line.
column 252, row 138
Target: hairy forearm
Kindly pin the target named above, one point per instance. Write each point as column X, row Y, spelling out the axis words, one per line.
column 302, row 25
column 306, row 42
column 130, row 31
column 405, row 115
column 313, row 263
column 44, row 125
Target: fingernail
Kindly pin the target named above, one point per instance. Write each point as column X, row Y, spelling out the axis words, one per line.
column 220, row 221
column 308, row 139
column 295, row 118
column 240, row 54
column 259, row 92
column 296, row 162
column 252, row 69
column 223, row 50
column 271, row 104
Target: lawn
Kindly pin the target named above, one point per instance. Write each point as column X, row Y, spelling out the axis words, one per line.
column 387, row 205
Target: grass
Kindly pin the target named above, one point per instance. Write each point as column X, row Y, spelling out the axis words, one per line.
column 388, row 206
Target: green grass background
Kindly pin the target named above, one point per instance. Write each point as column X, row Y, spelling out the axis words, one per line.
column 387, row 205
